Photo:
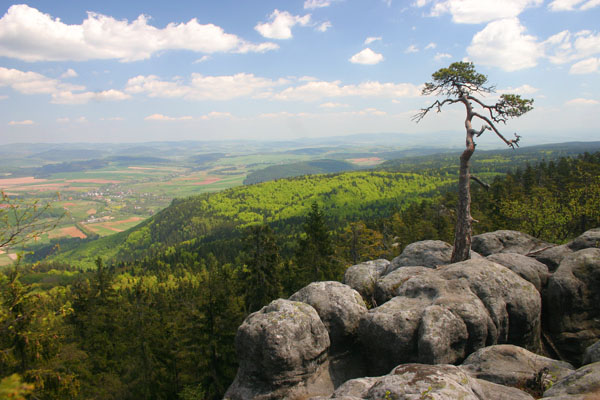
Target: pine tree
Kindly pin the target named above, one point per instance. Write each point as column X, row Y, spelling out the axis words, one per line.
column 261, row 277
column 315, row 253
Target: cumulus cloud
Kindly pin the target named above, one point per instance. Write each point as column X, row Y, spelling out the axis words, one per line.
column 587, row 66
column 430, row 46
column 161, row 117
column 281, row 25
column 202, row 87
column 32, row 83
column 372, row 39
column 333, row 105
column 441, row 56
column 68, row 97
column 571, row 5
column 21, row 123
column 312, row 4
column 62, row 93
column 30, row 35
column 411, row 49
column 323, row 27
column 522, row 90
column 506, row 45
column 582, row 102
column 201, row 59
column 314, row 91
column 216, row 114
column 366, row 56
column 477, row 11
column 70, row 73
column 565, row 46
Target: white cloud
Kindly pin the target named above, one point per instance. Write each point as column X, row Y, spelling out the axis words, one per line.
column 63, row 120
column 565, row 46
column 312, row 4
column 478, row 11
column 216, row 114
column 32, row 82
column 505, row 44
column 283, row 114
column 590, row 4
column 21, row 123
column 582, row 102
column 315, row 91
column 570, row 5
column 281, row 25
column 3, row 97
column 370, row 111
column 202, row 59
column 324, row 26
column 412, row 49
column 366, row 56
column 29, row 35
column 202, row 87
column 68, row 97
column 372, row 39
column 333, row 105
column 522, row 90
column 430, row 46
column 70, row 73
column 586, row 66
column 161, row 117
column 441, row 56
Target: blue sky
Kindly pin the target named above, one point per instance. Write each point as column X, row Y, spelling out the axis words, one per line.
column 130, row 71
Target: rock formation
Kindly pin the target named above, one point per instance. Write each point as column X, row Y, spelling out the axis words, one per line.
column 468, row 330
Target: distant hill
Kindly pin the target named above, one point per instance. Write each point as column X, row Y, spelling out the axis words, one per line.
column 298, row 169
column 68, row 154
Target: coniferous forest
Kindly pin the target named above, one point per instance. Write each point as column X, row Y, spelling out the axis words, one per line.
column 152, row 312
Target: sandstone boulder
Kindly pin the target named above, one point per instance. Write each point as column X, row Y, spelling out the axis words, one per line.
column 586, row 240
column 443, row 315
column 281, row 350
column 362, row 277
column 581, row 384
column 426, row 253
column 527, row 268
column 420, row 381
column 514, row 366
column 552, row 256
column 505, row 241
column 592, row 354
column 340, row 308
column 573, row 295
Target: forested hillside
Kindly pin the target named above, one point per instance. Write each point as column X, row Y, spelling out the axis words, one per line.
column 221, row 217
column 157, row 318
column 297, row 169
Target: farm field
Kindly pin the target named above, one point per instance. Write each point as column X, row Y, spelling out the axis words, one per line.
column 95, row 198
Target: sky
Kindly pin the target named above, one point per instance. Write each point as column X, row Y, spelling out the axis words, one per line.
column 136, row 71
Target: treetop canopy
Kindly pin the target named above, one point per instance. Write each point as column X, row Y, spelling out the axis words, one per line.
column 458, row 79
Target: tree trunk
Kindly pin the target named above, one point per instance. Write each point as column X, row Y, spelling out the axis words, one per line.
column 462, row 232
column 464, row 221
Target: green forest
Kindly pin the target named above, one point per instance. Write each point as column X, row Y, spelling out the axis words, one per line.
column 152, row 312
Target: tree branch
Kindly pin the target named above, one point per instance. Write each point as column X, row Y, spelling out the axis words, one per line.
column 421, row 114
column 482, row 183
column 512, row 142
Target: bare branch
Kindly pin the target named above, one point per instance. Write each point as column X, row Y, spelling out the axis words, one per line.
column 512, row 143
column 482, row 183
column 421, row 114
